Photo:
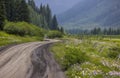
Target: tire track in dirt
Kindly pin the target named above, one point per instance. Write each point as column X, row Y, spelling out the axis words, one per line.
column 29, row 60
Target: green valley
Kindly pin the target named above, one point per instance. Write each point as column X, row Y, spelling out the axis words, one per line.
column 81, row 42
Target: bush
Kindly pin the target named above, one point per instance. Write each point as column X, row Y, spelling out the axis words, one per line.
column 54, row 34
column 114, row 52
column 22, row 29
column 73, row 56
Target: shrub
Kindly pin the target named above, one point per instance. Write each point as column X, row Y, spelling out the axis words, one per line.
column 22, row 29
column 73, row 56
column 114, row 52
column 54, row 34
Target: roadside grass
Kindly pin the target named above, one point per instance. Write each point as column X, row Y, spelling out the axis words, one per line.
column 6, row 39
column 89, row 58
column 21, row 32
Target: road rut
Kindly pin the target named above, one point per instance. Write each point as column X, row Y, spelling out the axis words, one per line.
column 29, row 60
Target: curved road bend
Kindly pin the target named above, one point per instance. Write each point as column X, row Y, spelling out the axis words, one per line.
column 29, row 60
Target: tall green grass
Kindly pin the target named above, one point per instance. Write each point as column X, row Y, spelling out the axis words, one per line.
column 6, row 39
column 88, row 58
column 20, row 32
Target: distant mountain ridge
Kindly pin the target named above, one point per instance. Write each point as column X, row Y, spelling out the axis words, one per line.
column 88, row 14
column 58, row 6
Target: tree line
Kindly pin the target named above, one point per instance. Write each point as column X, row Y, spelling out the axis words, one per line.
column 13, row 11
column 2, row 14
column 47, row 21
column 96, row 31
column 22, row 10
column 105, row 31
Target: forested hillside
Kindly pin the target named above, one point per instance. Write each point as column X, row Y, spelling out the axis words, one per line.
column 88, row 14
column 42, row 16
column 16, row 11
column 24, row 18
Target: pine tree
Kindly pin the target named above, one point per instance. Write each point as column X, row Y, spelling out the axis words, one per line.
column 62, row 29
column 44, row 23
column 44, row 11
column 29, row 2
column 99, row 31
column 54, row 25
column 41, row 9
column 32, row 3
column 105, row 31
column 2, row 14
column 94, row 31
column 48, row 16
column 10, row 9
column 118, row 31
column 23, row 12
column 109, row 31
column 46, row 19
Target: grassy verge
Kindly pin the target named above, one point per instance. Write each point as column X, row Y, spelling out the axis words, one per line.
column 20, row 32
column 6, row 39
column 89, row 58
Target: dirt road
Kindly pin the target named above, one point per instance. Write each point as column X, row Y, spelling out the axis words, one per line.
column 29, row 60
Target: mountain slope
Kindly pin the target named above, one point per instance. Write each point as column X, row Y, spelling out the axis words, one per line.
column 92, row 13
column 58, row 6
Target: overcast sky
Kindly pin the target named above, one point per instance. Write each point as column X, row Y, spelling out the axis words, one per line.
column 58, row 6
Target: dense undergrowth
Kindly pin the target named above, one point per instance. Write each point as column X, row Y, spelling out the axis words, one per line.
column 20, row 32
column 89, row 58
column 23, row 28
